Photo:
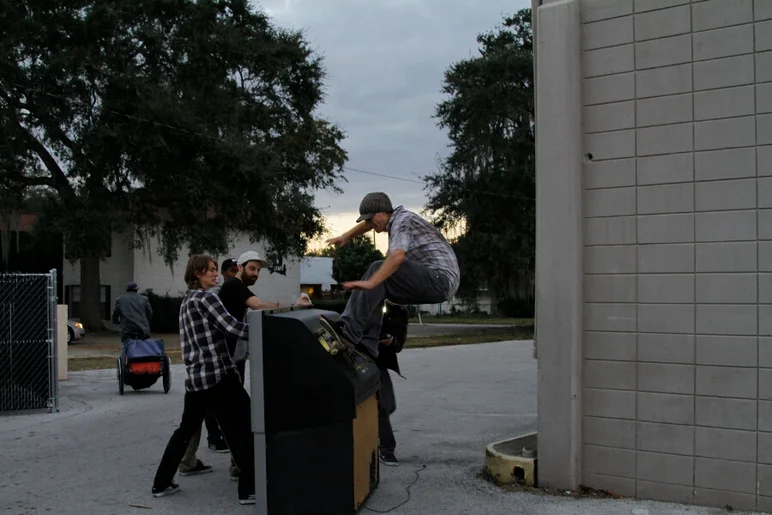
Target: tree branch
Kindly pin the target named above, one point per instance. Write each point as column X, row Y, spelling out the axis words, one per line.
column 58, row 178
column 24, row 180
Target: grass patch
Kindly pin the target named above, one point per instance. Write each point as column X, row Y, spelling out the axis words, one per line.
column 466, row 339
column 103, row 362
column 444, row 319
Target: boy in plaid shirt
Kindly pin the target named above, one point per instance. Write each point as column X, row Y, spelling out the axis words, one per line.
column 212, row 382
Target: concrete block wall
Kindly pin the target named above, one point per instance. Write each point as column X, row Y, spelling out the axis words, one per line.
column 677, row 259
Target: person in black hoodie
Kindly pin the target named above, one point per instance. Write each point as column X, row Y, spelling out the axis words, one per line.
column 392, row 341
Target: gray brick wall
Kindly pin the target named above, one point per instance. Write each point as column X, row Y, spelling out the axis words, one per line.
column 677, row 348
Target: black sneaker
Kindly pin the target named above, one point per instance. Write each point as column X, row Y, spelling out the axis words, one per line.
column 249, row 499
column 167, row 490
column 386, row 339
column 388, row 458
column 220, row 446
column 200, row 468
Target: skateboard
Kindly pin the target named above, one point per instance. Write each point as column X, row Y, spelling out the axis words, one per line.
column 332, row 342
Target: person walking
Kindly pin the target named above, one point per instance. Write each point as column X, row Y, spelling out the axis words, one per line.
column 133, row 312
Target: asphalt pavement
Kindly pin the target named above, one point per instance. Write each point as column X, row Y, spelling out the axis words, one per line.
column 98, row 455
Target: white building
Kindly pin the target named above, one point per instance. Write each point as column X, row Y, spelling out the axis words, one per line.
column 316, row 273
column 146, row 267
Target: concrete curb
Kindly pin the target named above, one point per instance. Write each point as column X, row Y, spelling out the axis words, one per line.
column 513, row 460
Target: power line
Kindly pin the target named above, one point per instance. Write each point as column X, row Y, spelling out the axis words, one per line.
column 384, row 175
column 194, row 133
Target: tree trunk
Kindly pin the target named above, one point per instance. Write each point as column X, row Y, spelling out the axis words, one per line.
column 90, row 305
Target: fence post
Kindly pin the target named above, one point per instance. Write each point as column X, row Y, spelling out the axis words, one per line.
column 53, row 336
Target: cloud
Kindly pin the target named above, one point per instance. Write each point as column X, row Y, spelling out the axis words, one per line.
column 385, row 64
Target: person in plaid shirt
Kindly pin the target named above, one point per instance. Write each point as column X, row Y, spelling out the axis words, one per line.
column 420, row 268
column 212, row 382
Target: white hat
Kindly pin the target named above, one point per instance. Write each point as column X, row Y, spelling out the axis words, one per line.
column 251, row 255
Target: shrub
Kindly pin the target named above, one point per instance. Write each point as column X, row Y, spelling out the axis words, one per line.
column 166, row 313
column 516, row 308
column 337, row 305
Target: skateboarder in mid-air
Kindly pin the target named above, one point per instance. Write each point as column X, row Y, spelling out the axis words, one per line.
column 420, row 268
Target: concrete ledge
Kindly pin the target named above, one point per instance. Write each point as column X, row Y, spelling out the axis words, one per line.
column 513, row 460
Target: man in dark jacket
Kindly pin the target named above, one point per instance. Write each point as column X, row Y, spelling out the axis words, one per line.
column 393, row 337
column 133, row 312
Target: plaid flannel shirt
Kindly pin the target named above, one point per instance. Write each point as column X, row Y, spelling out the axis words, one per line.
column 422, row 242
column 204, row 322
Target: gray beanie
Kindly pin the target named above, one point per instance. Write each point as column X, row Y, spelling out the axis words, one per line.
column 377, row 202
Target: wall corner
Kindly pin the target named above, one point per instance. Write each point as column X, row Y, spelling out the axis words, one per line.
column 559, row 242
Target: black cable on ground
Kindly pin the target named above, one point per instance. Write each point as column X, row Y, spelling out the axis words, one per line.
column 417, row 477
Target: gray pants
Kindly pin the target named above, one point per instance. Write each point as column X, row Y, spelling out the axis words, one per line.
column 411, row 283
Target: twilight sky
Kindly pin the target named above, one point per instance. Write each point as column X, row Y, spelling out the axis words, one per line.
column 385, row 62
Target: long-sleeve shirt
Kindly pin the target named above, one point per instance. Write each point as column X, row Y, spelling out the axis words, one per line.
column 204, row 322
column 133, row 312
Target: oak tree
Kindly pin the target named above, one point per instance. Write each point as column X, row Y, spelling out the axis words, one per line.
column 178, row 120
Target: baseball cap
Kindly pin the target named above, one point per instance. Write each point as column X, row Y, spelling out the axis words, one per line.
column 372, row 203
column 132, row 286
column 228, row 263
column 251, row 255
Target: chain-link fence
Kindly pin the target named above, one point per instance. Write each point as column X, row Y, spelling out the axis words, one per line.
column 28, row 361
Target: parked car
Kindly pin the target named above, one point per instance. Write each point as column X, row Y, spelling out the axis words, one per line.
column 74, row 330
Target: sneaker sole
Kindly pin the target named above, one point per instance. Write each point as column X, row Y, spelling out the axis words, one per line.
column 220, row 450
column 246, row 502
column 164, row 494
column 195, row 472
column 390, row 464
column 234, row 478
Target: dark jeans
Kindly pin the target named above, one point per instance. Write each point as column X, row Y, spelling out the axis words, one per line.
column 232, row 407
column 387, row 404
column 213, row 433
column 411, row 283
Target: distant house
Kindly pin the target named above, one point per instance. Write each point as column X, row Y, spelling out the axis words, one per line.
column 147, row 268
column 316, row 275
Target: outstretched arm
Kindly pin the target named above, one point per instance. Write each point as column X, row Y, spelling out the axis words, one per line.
column 352, row 233
column 392, row 263
column 255, row 303
column 219, row 317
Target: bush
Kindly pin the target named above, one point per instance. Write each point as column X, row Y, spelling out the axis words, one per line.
column 515, row 308
column 337, row 305
column 166, row 313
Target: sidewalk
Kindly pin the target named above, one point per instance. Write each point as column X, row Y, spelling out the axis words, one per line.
column 99, row 453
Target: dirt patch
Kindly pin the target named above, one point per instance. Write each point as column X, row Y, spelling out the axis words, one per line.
column 583, row 492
